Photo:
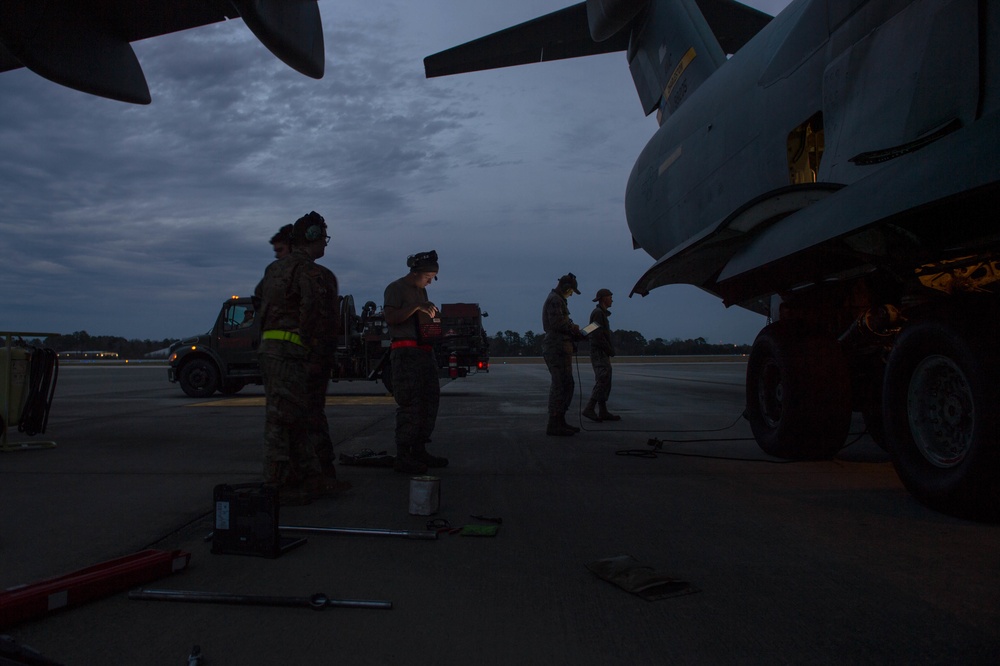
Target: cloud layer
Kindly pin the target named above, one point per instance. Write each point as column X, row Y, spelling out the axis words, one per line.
column 139, row 221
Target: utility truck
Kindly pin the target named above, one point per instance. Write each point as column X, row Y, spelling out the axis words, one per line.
column 225, row 358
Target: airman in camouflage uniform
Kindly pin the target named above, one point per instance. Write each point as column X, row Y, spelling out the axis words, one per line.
column 601, row 350
column 557, row 350
column 415, row 384
column 298, row 315
column 282, row 241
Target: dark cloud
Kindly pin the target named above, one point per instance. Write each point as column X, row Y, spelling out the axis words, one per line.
column 140, row 220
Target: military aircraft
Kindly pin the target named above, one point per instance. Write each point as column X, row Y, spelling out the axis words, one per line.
column 86, row 44
column 836, row 168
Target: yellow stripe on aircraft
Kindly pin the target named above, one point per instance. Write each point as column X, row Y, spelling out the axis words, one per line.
column 678, row 72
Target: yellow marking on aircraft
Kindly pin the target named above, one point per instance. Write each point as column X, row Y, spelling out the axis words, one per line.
column 686, row 59
column 670, row 160
column 258, row 401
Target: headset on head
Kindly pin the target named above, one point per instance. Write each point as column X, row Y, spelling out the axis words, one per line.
column 316, row 227
column 415, row 262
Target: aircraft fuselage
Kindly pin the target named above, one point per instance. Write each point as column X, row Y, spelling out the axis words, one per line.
column 829, row 93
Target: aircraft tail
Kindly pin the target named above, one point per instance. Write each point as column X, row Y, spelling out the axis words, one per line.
column 672, row 45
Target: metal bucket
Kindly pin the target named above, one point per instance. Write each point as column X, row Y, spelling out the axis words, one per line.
column 425, row 495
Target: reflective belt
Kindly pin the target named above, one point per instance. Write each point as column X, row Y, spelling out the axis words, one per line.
column 396, row 344
column 283, row 335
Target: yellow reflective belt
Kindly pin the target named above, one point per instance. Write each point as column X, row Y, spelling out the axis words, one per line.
column 283, row 335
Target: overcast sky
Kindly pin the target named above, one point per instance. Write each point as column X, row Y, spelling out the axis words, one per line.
column 139, row 221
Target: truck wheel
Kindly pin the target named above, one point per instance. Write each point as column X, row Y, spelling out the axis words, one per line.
column 199, row 378
column 798, row 394
column 941, row 421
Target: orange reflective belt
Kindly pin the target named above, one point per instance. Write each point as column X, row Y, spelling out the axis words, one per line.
column 396, row 344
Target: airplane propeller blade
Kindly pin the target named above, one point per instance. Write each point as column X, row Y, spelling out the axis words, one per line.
column 86, row 44
column 291, row 29
column 58, row 41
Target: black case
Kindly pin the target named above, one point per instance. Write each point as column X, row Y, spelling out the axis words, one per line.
column 246, row 521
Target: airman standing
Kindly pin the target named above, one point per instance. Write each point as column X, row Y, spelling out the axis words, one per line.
column 298, row 315
column 557, row 350
column 601, row 350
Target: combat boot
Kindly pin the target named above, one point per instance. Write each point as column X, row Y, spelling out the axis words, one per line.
column 556, row 429
column 330, row 474
column 405, row 462
column 421, row 455
column 602, row 411
column 572, row 428
column 326, row 484
column 589, row 412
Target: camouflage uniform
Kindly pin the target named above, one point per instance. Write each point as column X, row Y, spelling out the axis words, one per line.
column 557, row 350
column 298, row 298
column 601, row 351
column 415, row 384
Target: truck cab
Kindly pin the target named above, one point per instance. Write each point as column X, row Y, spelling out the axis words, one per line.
column 223, row 359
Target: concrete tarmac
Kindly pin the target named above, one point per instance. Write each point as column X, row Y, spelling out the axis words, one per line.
column 820, row 562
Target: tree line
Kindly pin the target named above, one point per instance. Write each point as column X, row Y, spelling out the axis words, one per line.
column 627, row 343
column 82, row 341
column 507, row 343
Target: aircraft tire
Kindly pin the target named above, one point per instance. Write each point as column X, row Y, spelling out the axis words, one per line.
column 199, row 378
column 386, row 377
column 941, row 421
column 798, row 394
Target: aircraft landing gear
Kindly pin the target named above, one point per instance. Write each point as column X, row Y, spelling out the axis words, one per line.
column 798, row 393
column 941, row 421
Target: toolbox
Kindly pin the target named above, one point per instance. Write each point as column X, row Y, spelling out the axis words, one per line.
column 246, row 521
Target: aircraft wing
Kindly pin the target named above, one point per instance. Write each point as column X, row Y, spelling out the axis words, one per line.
column 567, row 34
column 86, row 44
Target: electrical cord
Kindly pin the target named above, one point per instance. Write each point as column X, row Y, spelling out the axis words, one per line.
column 656, row 444
column 579, row 379
column 42, row 377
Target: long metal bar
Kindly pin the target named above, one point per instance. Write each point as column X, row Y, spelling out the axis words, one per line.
column 362, row 531
column 318, row 601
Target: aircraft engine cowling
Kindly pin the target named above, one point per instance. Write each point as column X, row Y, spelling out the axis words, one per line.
column 607, row 17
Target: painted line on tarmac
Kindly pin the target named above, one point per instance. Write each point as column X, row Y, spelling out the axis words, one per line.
column 258, row 401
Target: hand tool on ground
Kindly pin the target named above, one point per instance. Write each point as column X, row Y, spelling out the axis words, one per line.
column 318, row 601
column 488, row 519
column 356, row 531
column 442, row 526
column 362, row 531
